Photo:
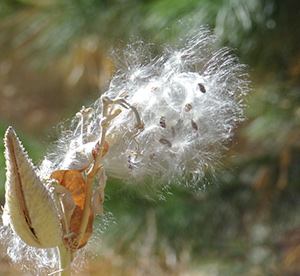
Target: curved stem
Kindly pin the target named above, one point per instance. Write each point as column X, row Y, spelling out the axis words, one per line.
column 108, row 114
column 92, row 173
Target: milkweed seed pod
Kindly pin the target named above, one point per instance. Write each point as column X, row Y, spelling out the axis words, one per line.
column 30, row 209
column 167, row 119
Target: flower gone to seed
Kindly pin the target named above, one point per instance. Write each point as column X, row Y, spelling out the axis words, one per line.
column 58, row 211
column 190, row 101
column 167, row 119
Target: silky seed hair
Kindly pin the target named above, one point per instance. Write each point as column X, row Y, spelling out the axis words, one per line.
column 189, row 99
column 34, row 261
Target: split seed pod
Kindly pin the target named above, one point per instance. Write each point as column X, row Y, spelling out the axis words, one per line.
column 32, row 212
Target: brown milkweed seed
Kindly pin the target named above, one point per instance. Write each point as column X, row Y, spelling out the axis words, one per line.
column 162, row 122
column 202, row 87
column 173, row 131
column 194, row 125
column 165, row 142
column 187, row 107
column 130, row 162
column 152, row 155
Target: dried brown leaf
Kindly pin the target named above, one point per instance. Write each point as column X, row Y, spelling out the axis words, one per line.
column 76, row 184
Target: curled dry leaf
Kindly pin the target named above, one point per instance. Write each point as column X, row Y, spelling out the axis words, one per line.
column 97, row 203
column 98, row 196
column 76, row 185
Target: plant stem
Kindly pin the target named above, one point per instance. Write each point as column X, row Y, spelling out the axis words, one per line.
column 108, row 114
column 106, row 118
column 64, row 261
column 91, row 176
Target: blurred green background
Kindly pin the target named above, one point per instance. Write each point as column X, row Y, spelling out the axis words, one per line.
column 54, row 59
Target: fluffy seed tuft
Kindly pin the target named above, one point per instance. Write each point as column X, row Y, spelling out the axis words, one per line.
column 189, row 101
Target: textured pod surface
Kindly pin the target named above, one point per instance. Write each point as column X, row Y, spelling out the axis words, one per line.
column 30, row 208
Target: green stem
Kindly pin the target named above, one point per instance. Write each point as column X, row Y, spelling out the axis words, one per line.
column 64, row 261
